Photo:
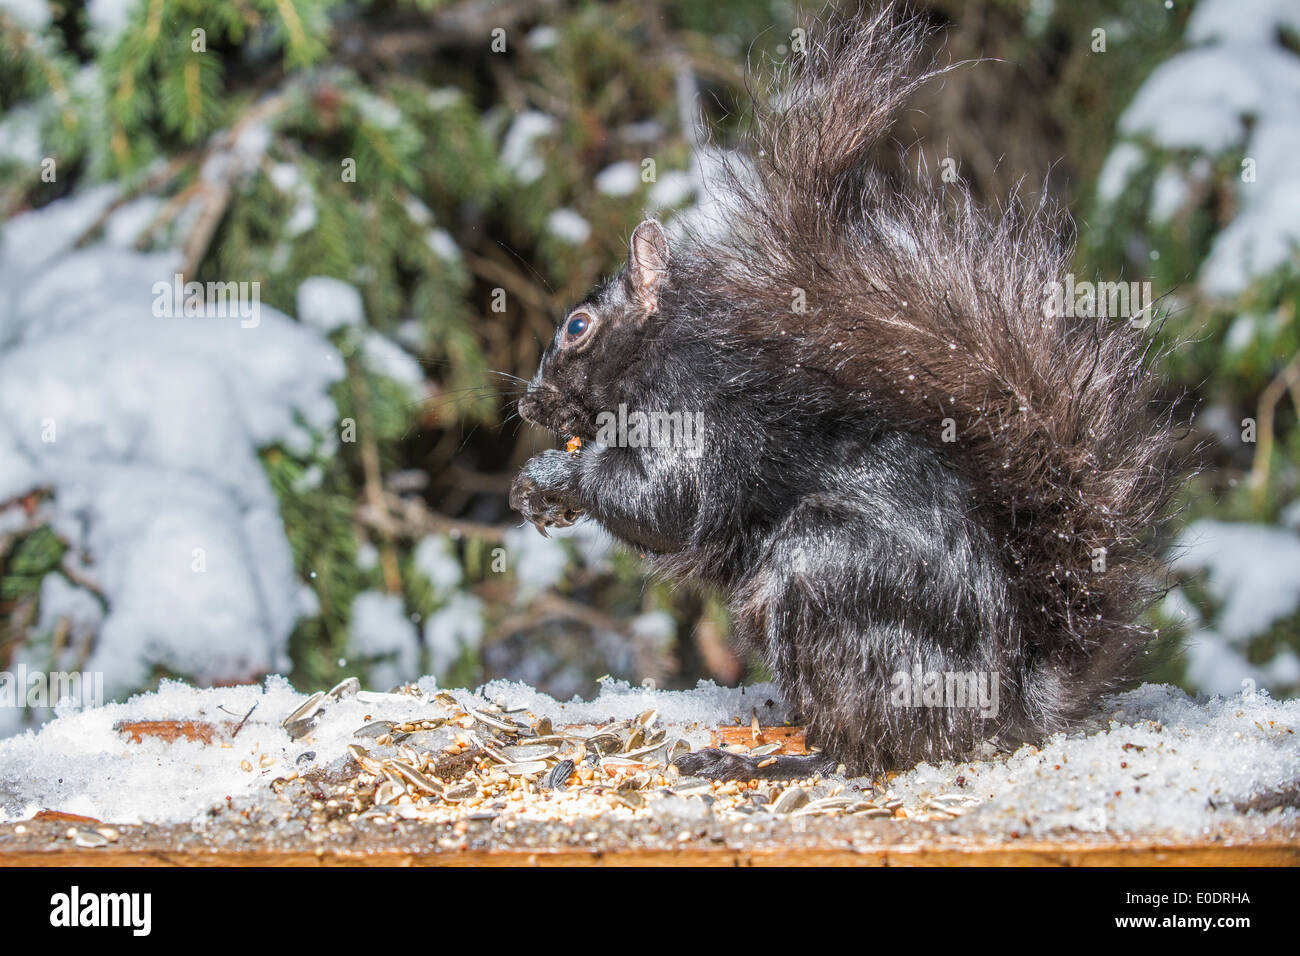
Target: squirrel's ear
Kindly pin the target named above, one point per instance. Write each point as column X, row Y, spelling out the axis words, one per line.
column 647, row 263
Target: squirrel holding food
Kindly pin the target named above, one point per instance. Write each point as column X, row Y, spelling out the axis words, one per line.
column 912, row 468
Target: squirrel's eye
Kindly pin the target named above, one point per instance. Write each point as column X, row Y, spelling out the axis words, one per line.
column 577, row 327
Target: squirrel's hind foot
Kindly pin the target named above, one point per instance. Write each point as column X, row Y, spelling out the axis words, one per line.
column 722, row 765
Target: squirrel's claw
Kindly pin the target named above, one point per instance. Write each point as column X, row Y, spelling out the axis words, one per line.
column 542, row 504
column 566, row 518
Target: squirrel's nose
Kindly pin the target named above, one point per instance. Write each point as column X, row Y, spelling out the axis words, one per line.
column 528, row 406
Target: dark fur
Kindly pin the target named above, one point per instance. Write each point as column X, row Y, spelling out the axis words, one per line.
column 853, row 543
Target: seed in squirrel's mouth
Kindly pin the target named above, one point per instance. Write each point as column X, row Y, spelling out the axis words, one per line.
column 572, row 445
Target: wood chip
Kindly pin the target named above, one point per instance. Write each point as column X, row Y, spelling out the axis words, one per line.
column 172, row 730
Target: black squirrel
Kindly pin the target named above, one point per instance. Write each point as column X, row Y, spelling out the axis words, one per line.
column 916, row 479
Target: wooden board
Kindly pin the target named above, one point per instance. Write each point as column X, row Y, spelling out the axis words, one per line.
column 1273, row 852
column 44, row 840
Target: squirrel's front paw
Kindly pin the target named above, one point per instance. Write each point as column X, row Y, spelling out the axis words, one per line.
column 542, row 492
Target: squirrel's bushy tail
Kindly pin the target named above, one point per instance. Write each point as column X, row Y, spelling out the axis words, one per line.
column 932, row 313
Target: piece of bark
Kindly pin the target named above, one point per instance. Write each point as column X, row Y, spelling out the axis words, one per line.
column 793, row 740
column 59, row 816
column 172, row 730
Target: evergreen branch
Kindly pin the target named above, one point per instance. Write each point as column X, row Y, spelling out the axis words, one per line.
column 153, row 183
column 45, row 64
column 216, row 195
column 153, row 23
column 292, row 23
column 215, row 198
column 463, row 25
column 512, row 280
column 193, row 97
column 412, row 518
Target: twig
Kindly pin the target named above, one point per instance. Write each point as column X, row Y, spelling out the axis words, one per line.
column 509, row 279
column 81, row 581
column 459, row 25
column 551, row 606
column 239, row 726
column 415, row 519
column 1286, row 380
column 374, row 482
column 150, row 184
column 217, row 195
column 497, row 484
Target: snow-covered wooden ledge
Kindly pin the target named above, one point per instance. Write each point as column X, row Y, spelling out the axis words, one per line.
column 264, row 775
column 823, row 845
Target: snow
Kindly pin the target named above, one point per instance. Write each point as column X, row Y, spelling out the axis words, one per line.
column 1124, row 160
column 385, row 357
column 445, row 97
column 20, row 136
column 1257, row 21
column 1155, row 761
column 378, row 110
column 1218, row 668
column 644, row 131
column 367, row 557
column 568, row 225
column 671, row 189
column 440, row 241
column 381, row 632
column 131, row 220
column 619, row 179
column 1197, row 99
column 311, row 478
column 538, row 563
column 1222, row 423
column 452, row 629
column 36, row 238
column 713, row 213
column 542, row 37
column 1236, row 89
column 435, row 557
column 443, row 245
column 327, row 304
column 417, row 211
column 1241, row 333
column 243, row 157
column 79, row 764
column 60, row 599
column 288, row 179
column 519, row 149
column 655, row 627
column 707, row 705
column 593, row 543
column 1152, row 761
column 32, row 14
column 1254, row 571
column 108, row 18
column 1290, row 516
column 146, row 430
column 1169, row 194
column 1265, row 234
